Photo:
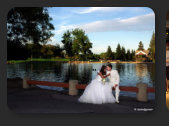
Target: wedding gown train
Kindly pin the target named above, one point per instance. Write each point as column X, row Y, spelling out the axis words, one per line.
column 97, row 93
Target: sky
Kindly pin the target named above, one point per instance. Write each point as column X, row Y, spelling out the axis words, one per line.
column 105, row 25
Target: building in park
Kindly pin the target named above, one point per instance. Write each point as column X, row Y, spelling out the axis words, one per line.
column 142, row 55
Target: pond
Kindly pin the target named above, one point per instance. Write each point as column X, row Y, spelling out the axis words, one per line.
column 130, row 74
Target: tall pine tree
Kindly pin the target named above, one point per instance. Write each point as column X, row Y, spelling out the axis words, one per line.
column 109, row 53
column 123, row 54
column 118, row 52
column 140, row 46
column 152, row 47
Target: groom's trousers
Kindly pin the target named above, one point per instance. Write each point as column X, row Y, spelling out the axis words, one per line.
column 117, row 92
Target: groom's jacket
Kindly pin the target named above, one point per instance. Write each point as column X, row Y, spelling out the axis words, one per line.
column 113, row 78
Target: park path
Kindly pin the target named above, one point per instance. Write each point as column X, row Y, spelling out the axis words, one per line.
column 44, row 101
column 36, row 100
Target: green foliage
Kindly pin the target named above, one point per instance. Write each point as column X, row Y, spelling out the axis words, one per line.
column 103, row 56
column 152, row 48
column 37, row 59
column 128, row 55
column 29, row 24
column 43, row 51
column 133, row 55
column 95, row 57
column 140, row 46
column 67, row 42
column 109, row 53
column 118, row 54
column 25, row 25
column 77, row 44
column 123, row 54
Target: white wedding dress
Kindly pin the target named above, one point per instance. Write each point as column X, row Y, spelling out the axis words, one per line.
column 97, row 93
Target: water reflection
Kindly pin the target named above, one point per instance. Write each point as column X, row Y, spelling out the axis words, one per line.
column 130, row 74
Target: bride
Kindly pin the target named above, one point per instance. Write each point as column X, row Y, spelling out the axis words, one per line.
column 98, row 91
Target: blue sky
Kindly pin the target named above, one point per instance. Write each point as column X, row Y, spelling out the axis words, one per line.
column 105, row 25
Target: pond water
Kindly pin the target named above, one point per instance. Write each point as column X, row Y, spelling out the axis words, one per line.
column 130, row 74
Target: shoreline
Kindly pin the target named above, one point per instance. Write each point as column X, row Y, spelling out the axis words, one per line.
column 76, row 62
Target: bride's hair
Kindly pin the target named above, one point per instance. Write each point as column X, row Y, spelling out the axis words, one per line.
column 102, row 70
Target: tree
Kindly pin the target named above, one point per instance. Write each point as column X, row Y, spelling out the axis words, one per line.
column 123, row 54
column 95, row 57
column 29, row 48
column 25, row 24
column 118, row 52
column 81, row 44
column 109, row 54
column 152, row 47
column 58, row 51
column 14, row 51
column 128, row 55
column 68, row 42
column 103, row 56
column 47, row 51
column 28, row 25
column 132, row 55
column 140, row 46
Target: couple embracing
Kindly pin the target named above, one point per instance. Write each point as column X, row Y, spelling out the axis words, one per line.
column 99, row 91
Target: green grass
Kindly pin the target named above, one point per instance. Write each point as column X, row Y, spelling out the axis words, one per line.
column 16, row 61
column 36, row 59
column 52, row 59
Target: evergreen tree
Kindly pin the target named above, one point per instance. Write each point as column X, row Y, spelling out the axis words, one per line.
column 118, row 52
column 128, row 55
column 140, row 46
column 152, row 47
column 109, row 53
column 132, row 55
column 123, row 54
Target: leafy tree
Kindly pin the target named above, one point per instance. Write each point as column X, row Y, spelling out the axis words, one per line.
column 58, row 51
column 29, row 47
column 47, row 51
column 36, row 50
column 27, row 25
column 81, row 44
column 152, row 47
column 68, row 43
column 95, row 57
column 103, row 56
column 14, row 51
column 140, row 46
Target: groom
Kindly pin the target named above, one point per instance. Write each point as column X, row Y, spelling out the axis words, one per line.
column 114, row 80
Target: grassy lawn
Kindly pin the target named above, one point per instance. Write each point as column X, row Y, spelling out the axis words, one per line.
column 36, row 59
column 54, row 59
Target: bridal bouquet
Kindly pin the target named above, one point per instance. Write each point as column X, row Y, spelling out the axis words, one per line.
column 103, row 80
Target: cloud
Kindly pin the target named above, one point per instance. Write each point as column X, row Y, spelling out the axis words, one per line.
column 137, row 23
column 112, row 9
column 94, row 9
